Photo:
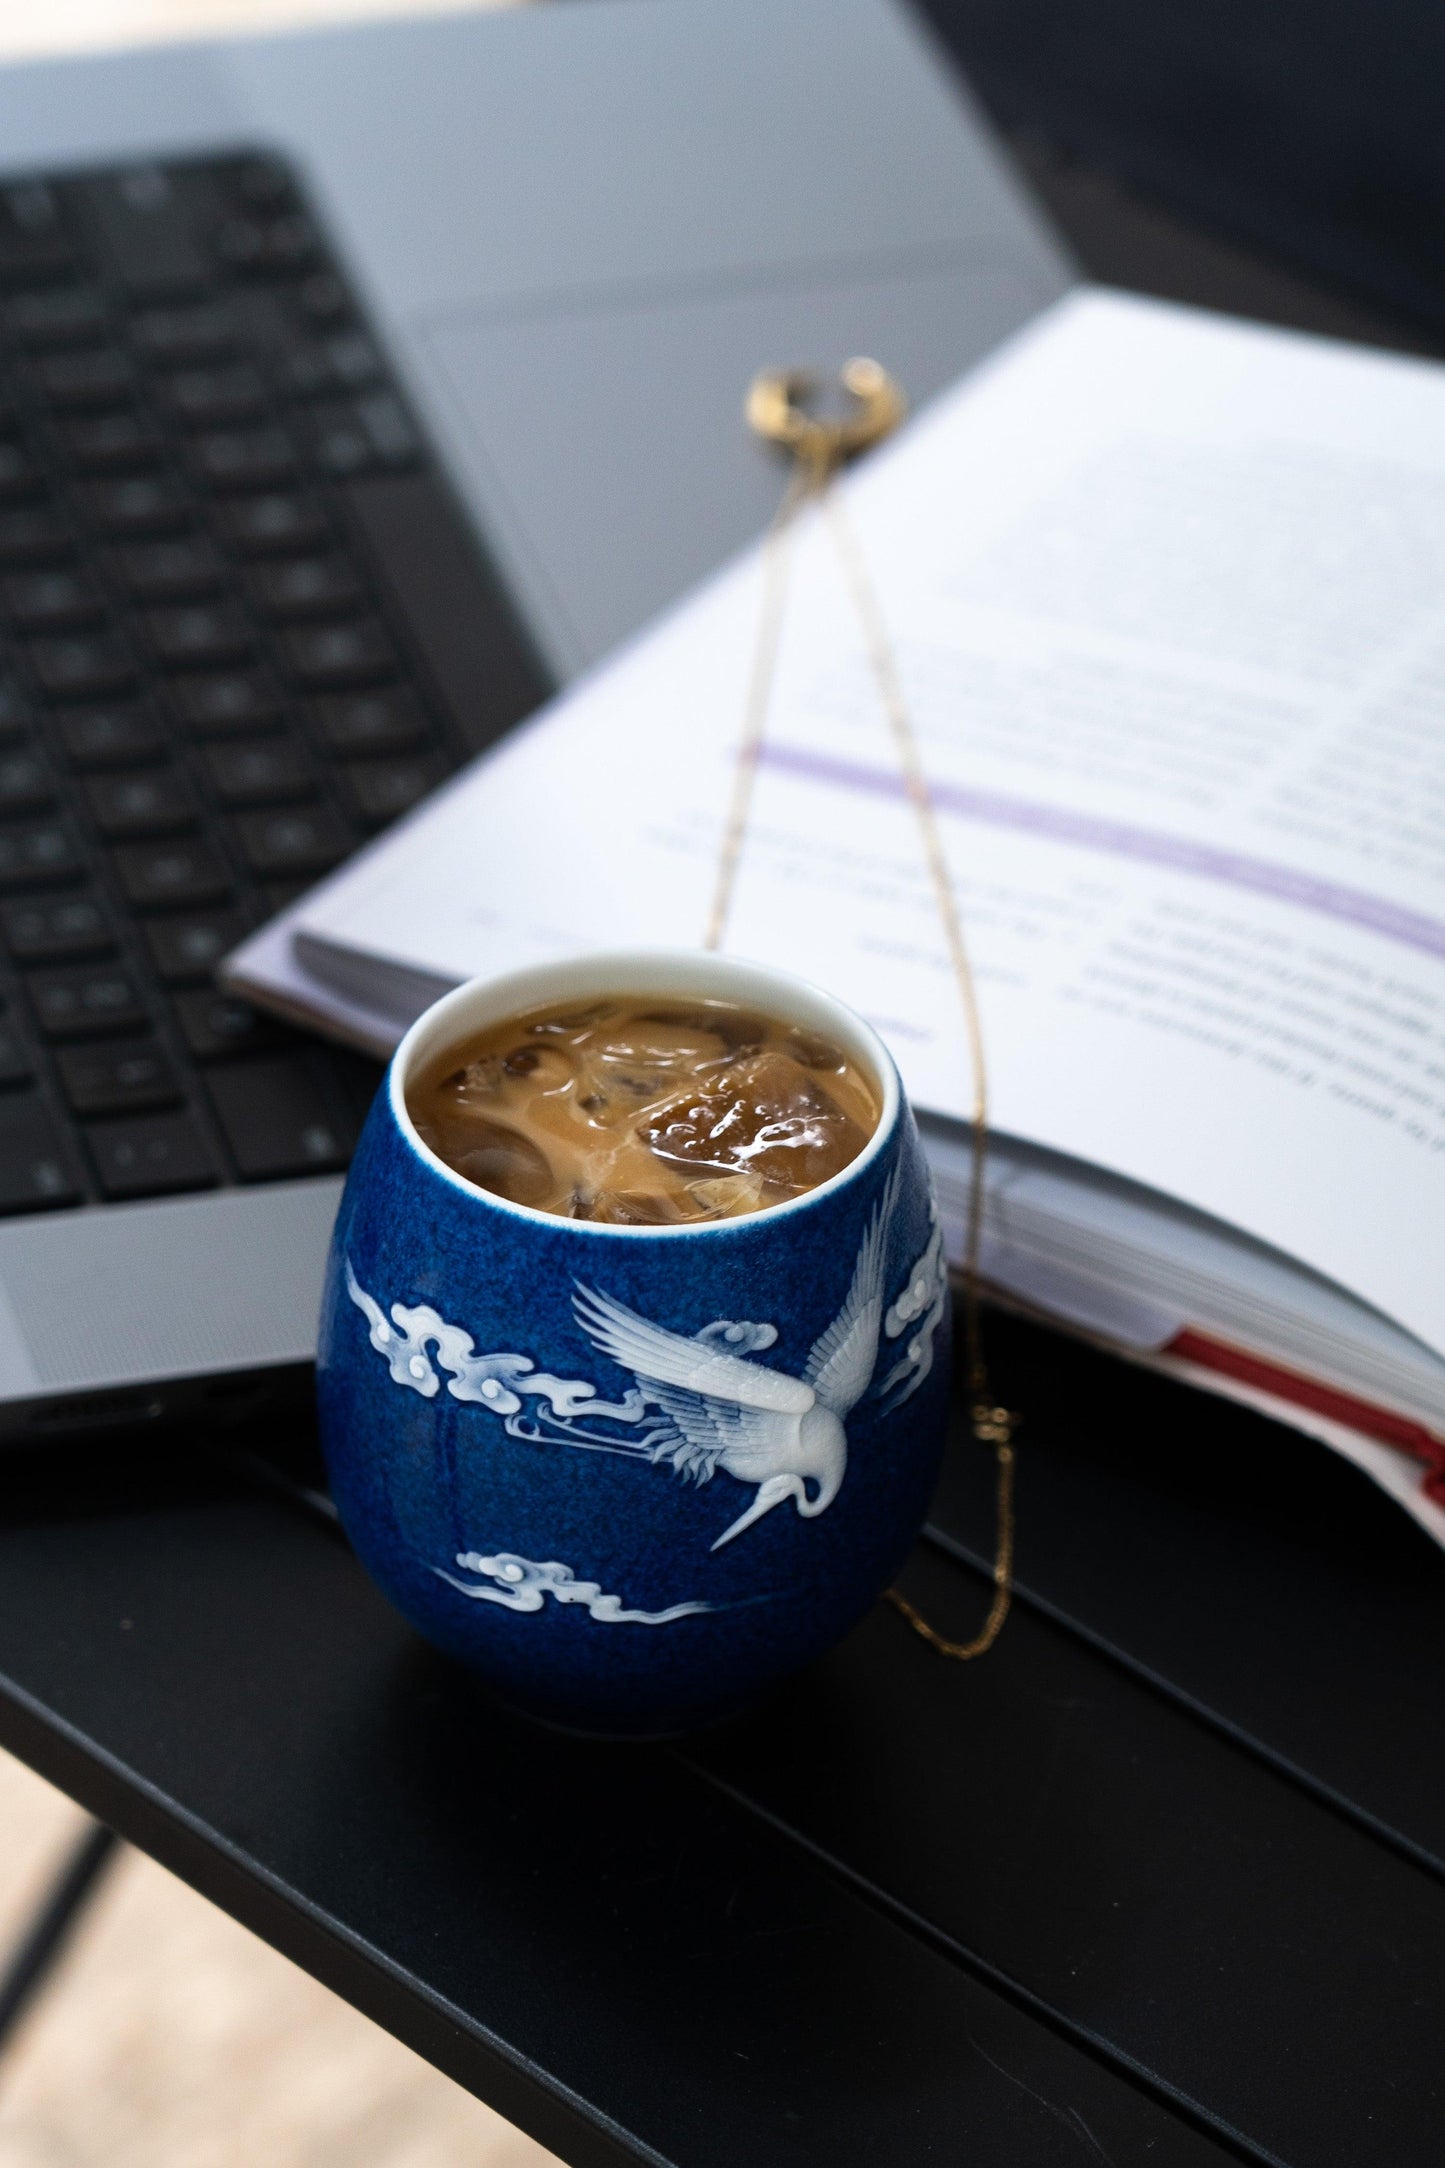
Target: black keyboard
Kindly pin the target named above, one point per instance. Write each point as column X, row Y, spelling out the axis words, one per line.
column 244, row 626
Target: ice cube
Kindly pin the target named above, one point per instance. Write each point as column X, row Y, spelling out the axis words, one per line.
column 481, row 1079
column 502, row 1160
column 736, row 1028
column 637, row 1208
column 573, row 1023
column 538, row 1069
column 815, row 1052
column 767, row 1114
column 642, row 1060
column 725, row 1196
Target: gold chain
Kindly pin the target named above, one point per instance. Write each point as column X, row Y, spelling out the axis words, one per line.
column 801, row 484
column 776, row 411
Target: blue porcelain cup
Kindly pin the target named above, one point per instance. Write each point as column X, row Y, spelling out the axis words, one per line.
column 633, row 1476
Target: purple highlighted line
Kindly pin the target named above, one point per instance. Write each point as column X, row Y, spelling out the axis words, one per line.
column 1354, row 906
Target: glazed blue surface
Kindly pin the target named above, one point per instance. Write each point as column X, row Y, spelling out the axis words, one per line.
column 561, row 1540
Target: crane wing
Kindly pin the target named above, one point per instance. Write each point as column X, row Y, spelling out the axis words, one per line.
column 704, row 1429
column 842, row 1358
column 663, row 1358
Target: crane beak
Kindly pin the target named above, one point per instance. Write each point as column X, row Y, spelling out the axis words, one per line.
column 769, row 1494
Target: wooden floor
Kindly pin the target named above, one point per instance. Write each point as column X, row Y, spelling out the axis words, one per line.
column 169, row 2037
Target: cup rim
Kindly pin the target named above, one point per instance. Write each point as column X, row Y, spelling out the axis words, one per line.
column 669, row 973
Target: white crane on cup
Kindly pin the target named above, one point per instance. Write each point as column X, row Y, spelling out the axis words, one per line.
column 761, row 1425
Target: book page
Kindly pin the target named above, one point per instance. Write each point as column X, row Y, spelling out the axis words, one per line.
column 1168, row 597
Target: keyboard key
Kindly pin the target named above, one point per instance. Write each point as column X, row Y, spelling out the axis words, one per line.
column 343, row 448
column 264, row 248
column 201, row 635
column 15, row 712
column 345, row 362
column 301, row 587
column 84, row 1000
column 155, row 876
column 353, row 724
column 243, row 458
column 53, row 929
column 19, row 475
column 48, row 601
column 150, row 1157
column 380, row 790
column 206, row 398
column 119, row 1076
column 67, row 316
column 26, row 783
column 140, row 505
column 302, row 839
column 375, row 432
column 36, row 535
column 217, row 1024
column 306, row 373
column 241, row 244
column 268, row 525
column 112, row 737
column 17, row 1062
column 35, row 856
column 35, row 249
column 353, row 360
column 81, row 669
column 178, row 571
column 259, row 772
column 327, row 655
column 228, row 703
column 277, row 1118
column 187, row 949
column 112, row 443
column 265, row 185
column 99, row 377
column 146, row 229
column 322, row 299
column 37, row 1170
column 148, row 802
column 181, row 335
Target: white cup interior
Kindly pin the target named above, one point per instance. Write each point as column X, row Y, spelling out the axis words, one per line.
column 673, row 974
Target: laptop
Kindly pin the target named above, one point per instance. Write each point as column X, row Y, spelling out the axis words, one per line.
column 360, row 389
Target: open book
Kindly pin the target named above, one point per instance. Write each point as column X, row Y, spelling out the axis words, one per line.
column 1168, row 596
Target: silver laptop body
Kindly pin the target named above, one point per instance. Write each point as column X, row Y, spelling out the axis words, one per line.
column 580, row 229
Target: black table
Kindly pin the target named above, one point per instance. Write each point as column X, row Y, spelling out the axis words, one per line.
column 1160, row 1881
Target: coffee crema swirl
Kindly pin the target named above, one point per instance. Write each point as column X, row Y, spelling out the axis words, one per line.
column 643, row 1112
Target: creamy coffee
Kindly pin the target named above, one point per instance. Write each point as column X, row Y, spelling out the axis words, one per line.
column 645, row 1112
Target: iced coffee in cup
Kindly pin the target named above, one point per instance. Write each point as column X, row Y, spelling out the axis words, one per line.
column 634, row 1359
column 632, row 1110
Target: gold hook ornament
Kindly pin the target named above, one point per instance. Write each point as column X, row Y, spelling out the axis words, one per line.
column 777, row 411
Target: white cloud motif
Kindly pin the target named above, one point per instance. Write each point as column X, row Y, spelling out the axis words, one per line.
column 404, row 1348
column 925, row 1297
column 497, row 1382
column 523, row 1584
